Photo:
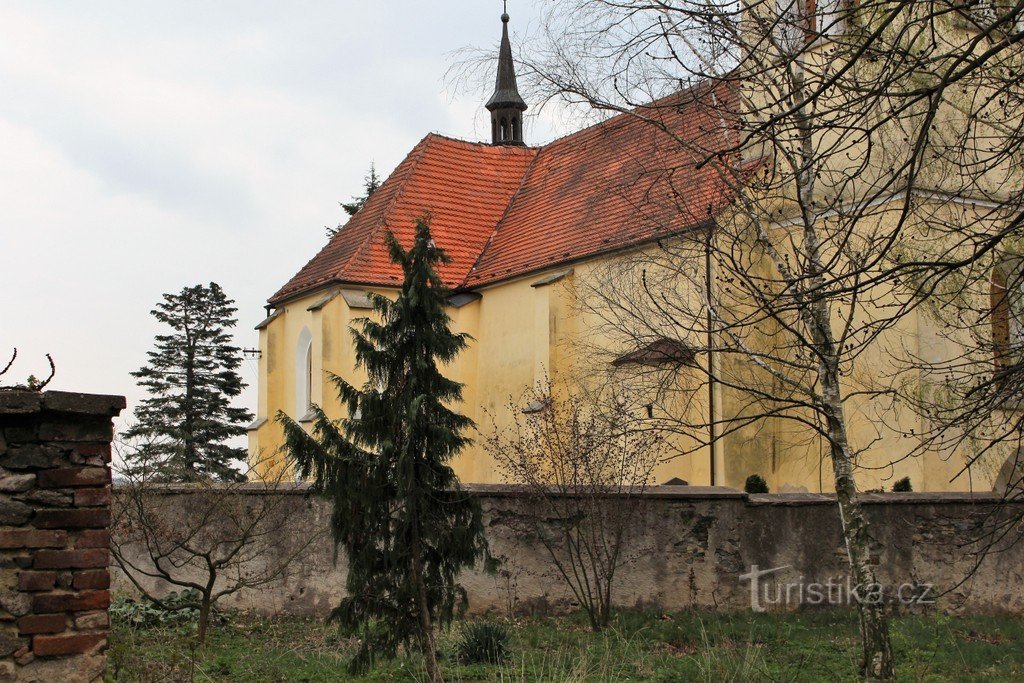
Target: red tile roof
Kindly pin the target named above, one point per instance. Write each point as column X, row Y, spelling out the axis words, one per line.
column 501, row 212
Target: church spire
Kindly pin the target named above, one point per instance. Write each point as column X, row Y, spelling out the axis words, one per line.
column 506, row 105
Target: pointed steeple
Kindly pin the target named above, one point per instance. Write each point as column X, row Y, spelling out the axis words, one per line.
column 506, row 105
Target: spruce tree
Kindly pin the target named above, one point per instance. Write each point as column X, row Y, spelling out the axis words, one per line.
column 399, row 514
column 191, row 377
column 370, row 184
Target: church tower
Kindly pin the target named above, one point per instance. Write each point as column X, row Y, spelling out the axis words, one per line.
column 506, row 105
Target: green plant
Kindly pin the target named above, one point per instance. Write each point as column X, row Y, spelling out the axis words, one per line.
column 482, row 642
column 755, row 483
column 145, row 613
column 902, row 486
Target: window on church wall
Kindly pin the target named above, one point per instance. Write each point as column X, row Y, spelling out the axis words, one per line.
column 800, row 22
column 1007, row 312
column 303, row 375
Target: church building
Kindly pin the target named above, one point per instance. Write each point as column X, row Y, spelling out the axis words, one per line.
column 526, row 229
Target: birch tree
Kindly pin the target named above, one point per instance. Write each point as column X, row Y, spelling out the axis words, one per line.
column 871, row 152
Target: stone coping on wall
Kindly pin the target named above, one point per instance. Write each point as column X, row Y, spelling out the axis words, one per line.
column 24, row 402
column 694, row 493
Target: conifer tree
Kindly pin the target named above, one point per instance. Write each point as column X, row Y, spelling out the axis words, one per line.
column 370, row 184
column 399, row 514
column 191, row 377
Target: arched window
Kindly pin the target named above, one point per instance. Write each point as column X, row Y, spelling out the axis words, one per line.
column 303, row 374
column 1007, row 311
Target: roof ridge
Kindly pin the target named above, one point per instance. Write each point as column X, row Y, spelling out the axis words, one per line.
column 630, row 114
column 481, row 143
column 413, row 157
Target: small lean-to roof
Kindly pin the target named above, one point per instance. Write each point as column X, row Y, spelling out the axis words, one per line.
column 505, row 211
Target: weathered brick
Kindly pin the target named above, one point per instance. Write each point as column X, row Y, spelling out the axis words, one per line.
column 30, row 456
column 74, row 476
column 32, row 538
column 66, row 643
column 92, row 497
column 37, row 581
column 48, row 497
column 10, row 641
column 91, row 454
column 76, row 430
column 11, row 482
column 93, row 538
column 94, row 518
column 42, row 623
column 88, row 621
column 15, row 602
column 72, row 559
column 94, row 579
column 64, row 579
column 84, row 601
column 13, row 513
column 23, row 432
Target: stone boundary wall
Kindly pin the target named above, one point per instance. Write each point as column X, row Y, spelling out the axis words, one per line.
column 54, row 537
column 689, row 546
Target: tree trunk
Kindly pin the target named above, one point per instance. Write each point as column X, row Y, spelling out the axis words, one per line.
column 204, row 619
column 427, row 644
column 877, row 659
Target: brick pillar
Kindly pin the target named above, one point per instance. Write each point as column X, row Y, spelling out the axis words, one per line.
column 54, row 536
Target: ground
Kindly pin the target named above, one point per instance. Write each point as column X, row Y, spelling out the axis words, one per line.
column 639, row 646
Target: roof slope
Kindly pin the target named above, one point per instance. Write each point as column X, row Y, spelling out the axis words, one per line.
column 622, row 182
column 501, row 211
column 465, row 187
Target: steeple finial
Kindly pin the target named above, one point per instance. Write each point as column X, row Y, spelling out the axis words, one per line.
column 506, row 105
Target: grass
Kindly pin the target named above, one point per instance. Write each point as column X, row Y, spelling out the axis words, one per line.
column 639, row 646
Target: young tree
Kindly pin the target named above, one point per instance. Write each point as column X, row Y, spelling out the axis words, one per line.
column 370, row 184
column 871, row 153
column 405, row 525
column 213, row 539
column 192, row 377
column 585, row 462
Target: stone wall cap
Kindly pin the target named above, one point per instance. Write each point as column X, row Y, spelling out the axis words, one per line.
column 107, row 405
column 923, row 498
column 19, row 401
column 24, row 402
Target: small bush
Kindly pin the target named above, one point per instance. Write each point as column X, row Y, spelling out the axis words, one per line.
column 755, row 484
column 483, row 642
column 147, row 614
column 902, row 486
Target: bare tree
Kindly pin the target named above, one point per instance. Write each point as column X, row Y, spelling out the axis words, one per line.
column 215, row 538
column 867, row 156
column 585, row 465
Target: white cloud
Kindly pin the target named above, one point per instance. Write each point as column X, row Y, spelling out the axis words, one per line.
column 148, row 146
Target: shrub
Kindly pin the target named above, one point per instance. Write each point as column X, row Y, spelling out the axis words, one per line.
column 755, row 484
column 482, row 642
column 902, row 486
column 145, row 613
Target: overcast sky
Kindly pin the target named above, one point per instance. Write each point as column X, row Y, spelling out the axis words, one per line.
column 145, row 146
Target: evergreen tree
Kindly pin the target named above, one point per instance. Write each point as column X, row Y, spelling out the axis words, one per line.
column 191, row 377
column 405, row 525
column 370, row 184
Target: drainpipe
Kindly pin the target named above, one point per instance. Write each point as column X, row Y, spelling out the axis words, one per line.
column 712, row 446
